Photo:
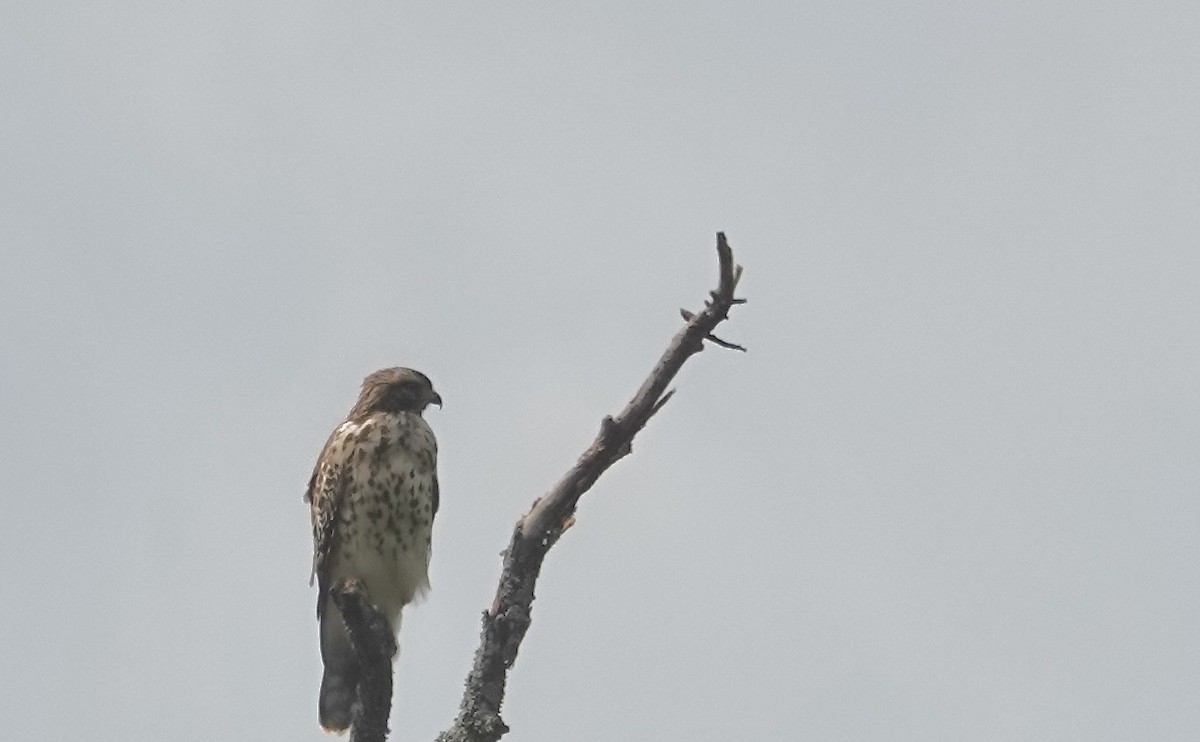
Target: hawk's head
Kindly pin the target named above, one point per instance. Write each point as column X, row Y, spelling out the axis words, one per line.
column 395, row 390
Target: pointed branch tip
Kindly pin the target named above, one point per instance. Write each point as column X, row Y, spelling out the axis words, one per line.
column 725, row 343
column 661, row 402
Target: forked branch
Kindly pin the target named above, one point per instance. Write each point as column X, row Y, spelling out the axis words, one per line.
column 505, row 624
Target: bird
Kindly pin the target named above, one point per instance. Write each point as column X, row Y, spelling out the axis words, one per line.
column 372, row 499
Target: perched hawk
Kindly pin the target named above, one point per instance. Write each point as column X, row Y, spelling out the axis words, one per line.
column 372, row 496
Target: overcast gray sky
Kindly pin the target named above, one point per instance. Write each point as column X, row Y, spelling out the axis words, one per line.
column 950, row 493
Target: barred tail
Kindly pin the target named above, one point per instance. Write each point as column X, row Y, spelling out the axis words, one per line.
column 338, row 691
column 339, row 682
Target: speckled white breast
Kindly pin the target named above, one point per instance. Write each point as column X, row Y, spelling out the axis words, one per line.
column 385, row 519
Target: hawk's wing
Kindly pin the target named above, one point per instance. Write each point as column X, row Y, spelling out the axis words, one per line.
column 324, row 498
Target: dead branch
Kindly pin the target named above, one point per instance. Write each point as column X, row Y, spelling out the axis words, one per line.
column 505, row 624
column 374, row 646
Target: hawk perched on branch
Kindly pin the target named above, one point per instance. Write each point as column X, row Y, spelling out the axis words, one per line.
column 373, row 496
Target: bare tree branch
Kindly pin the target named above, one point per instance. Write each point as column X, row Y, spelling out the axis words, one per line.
column 505, row 624
column 374, row 646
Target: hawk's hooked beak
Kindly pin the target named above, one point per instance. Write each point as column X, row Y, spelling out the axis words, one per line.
column 436, row 399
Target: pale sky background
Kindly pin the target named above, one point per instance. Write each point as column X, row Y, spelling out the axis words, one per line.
column 950, row 494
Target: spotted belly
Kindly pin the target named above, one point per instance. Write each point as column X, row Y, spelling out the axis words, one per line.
column 386, row 519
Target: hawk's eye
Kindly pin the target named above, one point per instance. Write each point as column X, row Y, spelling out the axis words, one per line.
column 406, row 392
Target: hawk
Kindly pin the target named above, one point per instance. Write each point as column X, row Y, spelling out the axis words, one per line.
column 372, row 497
